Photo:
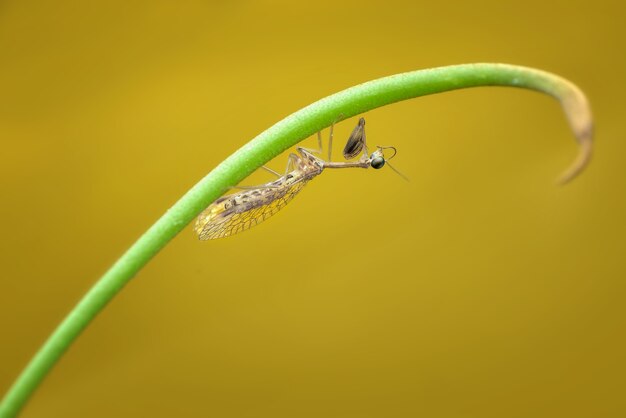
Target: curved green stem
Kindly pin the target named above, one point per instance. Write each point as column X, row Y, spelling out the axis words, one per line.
column 269, row 144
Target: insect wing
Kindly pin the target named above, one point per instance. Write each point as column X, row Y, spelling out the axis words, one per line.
column 223, row 219
column 356, row 141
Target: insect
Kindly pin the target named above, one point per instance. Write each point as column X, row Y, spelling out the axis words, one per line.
column 240, row 211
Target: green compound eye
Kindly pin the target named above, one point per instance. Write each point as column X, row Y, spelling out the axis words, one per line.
column 378, row 162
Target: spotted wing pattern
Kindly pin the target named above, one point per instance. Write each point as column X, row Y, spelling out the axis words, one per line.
column 230, row 215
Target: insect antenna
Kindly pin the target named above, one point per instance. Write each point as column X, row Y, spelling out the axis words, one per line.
column 395, row 151
column 397, row 172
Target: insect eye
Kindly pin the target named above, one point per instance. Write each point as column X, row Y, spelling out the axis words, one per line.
column 377, row 162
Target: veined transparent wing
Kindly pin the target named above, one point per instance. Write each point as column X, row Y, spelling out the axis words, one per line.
column 237, row 212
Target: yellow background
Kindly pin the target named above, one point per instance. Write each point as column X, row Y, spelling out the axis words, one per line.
column 479, row 289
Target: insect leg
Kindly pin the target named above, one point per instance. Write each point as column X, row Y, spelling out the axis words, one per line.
column 330, row 140
column 290, row 162
column 290, row 166
column 320, row 148
column 330, row 136
column 319, row 141
column 319, row 145
column 270, row 170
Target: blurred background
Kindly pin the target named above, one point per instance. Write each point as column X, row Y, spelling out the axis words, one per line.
column 478, row 289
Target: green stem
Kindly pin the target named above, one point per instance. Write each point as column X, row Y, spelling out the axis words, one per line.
column 271, row 143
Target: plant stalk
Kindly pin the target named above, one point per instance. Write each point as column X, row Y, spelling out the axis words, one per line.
column 272, row 142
